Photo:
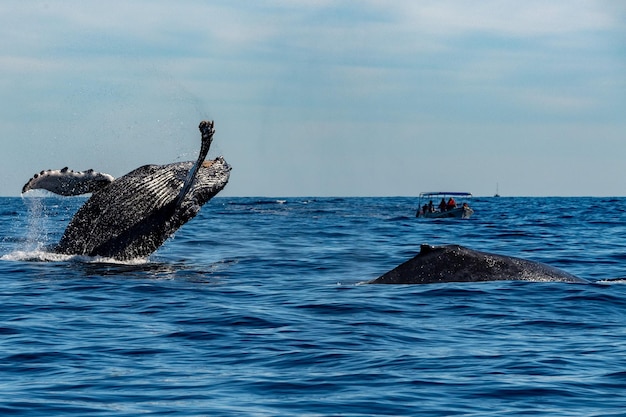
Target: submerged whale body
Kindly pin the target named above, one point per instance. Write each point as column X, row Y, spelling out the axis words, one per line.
column 454, row 263
column 131, row 216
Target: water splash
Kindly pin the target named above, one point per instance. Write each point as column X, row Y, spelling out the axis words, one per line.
column 37, row 224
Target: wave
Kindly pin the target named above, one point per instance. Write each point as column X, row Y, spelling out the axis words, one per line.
column 257, row 202
column 620, row 280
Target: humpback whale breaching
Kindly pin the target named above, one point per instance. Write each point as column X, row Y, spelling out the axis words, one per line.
column 131, row 216
column 454, row 263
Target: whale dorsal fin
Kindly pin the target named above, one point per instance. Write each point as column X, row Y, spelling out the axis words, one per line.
column 426, row 248
column 67, row 182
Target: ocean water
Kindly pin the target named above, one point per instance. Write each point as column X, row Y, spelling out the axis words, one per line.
column 255, row 308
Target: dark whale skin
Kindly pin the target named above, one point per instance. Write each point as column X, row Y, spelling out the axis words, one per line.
column 454, row 263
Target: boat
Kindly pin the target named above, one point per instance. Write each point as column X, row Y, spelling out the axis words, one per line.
column 431, row 209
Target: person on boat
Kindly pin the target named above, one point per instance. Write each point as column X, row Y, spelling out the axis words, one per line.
column 431, row 207
column 425, row 209
column 451, row 203
column 442, row 205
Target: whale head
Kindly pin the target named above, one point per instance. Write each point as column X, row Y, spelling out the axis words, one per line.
column 211, row 177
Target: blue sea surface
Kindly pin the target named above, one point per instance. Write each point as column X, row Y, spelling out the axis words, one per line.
column 255, row 308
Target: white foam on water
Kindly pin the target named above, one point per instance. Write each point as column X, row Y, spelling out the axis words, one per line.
column 40, row 255
column 35, row 256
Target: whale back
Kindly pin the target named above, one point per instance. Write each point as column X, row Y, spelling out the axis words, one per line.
column 131, row 217
column 454, row 263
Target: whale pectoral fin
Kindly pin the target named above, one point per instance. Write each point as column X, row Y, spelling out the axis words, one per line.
column 67, row 182
column 207, row 130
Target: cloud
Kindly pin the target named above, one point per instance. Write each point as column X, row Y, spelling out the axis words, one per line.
column 282, row 75
column 508, row 18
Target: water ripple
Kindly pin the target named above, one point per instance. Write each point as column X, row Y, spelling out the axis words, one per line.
column 253, row 308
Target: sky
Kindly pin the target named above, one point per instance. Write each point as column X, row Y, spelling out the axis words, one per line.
column 322, row 98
